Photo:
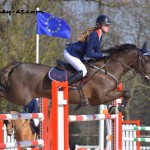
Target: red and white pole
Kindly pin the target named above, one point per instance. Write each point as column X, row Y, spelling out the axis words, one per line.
column 59, row 116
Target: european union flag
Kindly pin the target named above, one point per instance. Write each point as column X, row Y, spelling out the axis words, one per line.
column 52, row 26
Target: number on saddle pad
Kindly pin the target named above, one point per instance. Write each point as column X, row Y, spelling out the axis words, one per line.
column 58, row 74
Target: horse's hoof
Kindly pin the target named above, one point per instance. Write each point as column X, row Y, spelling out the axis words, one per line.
column 113, row 110
column 84, row 101
column 121, row 108
column 81, row 105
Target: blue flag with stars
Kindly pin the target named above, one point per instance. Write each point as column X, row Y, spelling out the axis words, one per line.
column 52, row 26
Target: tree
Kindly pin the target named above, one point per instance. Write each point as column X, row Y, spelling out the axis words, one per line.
column 18, row 34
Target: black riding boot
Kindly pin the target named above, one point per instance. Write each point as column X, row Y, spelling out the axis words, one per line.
column 75, row 78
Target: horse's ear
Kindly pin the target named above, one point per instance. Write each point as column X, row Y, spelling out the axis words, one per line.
column 144, row 48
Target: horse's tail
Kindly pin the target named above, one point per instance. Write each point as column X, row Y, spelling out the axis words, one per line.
column 5, row 74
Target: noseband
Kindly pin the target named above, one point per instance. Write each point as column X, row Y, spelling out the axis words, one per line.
column 143, row 68
column 10, row 130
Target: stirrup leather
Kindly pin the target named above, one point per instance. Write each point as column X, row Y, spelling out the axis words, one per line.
column 83, row 99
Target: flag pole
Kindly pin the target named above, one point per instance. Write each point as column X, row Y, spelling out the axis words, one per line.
column 37, row 45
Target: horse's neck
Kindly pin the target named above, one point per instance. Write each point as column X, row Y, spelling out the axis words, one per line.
column 129, row 59
column 116, row 66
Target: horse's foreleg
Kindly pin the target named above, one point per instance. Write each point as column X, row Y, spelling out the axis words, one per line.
column 103, row 97
column 125, row 100
column 125, row 96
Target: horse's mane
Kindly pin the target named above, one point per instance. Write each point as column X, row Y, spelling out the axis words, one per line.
column 120, row 48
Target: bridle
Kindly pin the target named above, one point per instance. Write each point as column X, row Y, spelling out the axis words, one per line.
column 143, row 67
column 10, row 130
column 136, row 67
column 19, row 129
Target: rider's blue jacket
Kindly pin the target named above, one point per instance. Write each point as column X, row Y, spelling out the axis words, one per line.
column 90, row 48
column 32, row 107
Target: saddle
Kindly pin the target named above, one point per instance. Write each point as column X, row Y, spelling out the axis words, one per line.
column 63, row 65
column 62, row 71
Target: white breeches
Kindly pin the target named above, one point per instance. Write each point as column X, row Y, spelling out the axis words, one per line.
column 75, row 62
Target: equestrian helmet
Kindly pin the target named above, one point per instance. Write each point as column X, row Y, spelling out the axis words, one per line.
column 103, row 19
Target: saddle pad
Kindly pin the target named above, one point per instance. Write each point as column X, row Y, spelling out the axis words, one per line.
column 57, row 74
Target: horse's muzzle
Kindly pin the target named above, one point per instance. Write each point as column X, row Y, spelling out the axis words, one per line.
column 9, row 134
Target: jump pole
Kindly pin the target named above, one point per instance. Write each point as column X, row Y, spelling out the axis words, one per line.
column 117, row 124
column 104, row 110
column 114, row 130
column 101, row 127
column 1, row 131
column 43, row 125
column 21, row 143
column 59, row 116
column 133, row 122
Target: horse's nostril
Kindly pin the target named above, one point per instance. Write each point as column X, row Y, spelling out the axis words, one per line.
column 9, row 134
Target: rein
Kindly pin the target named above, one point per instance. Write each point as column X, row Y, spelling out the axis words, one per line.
column 134, row 70
column 100, row 69
column 21, row 127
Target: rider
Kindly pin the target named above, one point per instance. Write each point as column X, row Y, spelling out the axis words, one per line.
column 88, row 45
column 32, row 107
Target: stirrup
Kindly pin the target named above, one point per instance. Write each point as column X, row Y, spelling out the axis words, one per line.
column 84, row 102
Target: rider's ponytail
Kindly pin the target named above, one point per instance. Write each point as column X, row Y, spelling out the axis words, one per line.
column 83, row 37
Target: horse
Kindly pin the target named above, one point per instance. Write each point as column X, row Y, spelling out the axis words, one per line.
column 20, row 128
column 21, row 81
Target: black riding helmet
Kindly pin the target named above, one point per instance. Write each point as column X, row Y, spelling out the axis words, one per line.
column 103, row 19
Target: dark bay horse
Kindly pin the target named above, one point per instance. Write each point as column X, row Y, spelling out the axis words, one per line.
column 21, row 82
